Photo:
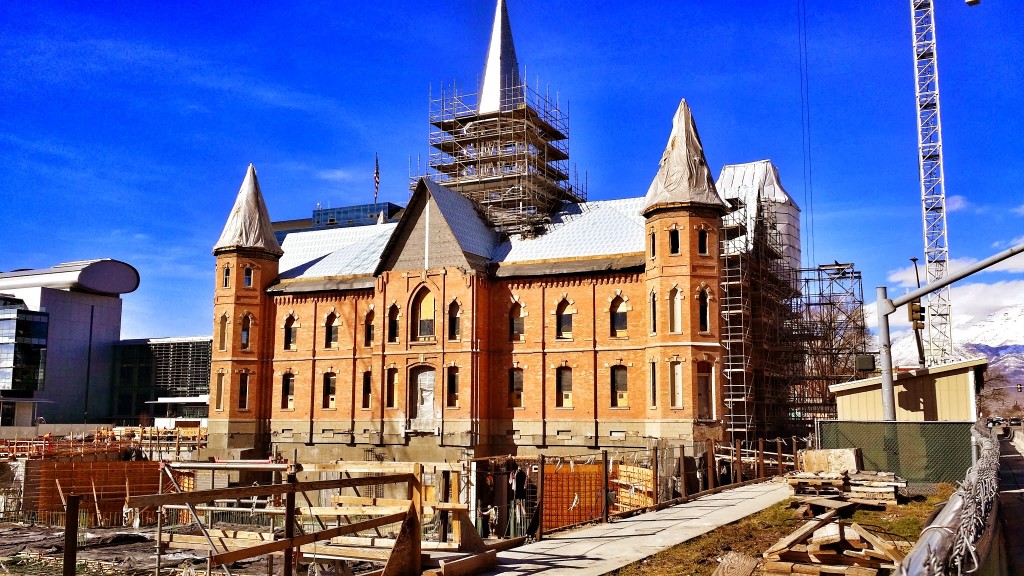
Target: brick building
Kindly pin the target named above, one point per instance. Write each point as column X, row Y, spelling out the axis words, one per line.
column 501, row 314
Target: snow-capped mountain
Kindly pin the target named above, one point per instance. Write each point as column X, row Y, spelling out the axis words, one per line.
column 999, row 336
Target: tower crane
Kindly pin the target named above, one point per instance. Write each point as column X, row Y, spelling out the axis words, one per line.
column 939, row 347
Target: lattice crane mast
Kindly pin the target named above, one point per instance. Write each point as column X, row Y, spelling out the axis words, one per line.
column 939, row 347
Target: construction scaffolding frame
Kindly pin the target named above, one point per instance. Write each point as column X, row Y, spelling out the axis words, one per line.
column 760, row 354
column 830, row 322
column 511, row 162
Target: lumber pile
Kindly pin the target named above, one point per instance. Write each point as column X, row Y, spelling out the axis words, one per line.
column 824, row 545
column 875, row 488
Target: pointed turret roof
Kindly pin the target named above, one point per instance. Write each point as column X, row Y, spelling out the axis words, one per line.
column 683, row 175
column 502, row 88
column 248, row 225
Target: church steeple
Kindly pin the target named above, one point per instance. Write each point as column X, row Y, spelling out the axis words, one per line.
column 248, row 224
column 503, row 87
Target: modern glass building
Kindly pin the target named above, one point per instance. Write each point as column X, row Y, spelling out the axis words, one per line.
column 165, row 369
column 23, row 335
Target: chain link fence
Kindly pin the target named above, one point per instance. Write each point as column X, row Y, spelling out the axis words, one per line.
column 924, row 453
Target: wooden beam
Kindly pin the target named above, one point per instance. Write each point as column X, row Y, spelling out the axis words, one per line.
column 369, row 501
column 279, row 545
column 800, row 533
column 201, row 496
column 470, row 565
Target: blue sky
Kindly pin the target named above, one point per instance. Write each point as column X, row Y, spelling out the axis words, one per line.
column 126, row 128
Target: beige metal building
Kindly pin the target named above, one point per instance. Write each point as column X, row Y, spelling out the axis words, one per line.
column 946, row 393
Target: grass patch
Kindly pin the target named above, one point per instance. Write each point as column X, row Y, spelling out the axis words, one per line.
column 756, row 533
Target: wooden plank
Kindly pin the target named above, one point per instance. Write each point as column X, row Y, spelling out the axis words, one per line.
column 827, row 534
column 280, row 545
column 345, row 552
column 736, row 564
column 201, row 496
column 351, row 510
column 778, row 567
column 800, row 533
column 369, row 501
column 877, row 542
column 362, row 467
column 470, row 565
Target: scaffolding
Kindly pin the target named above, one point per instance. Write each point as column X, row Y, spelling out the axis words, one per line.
column 830, row 321
column 761, row 354
column 511, row 162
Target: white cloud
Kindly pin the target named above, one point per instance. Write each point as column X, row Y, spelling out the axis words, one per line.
column 956, row 203
column 336, row 175
column 1019, row 210
column 968, row 302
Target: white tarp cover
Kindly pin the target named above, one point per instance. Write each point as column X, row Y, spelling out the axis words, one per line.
column 248, row 225
column 683, row 174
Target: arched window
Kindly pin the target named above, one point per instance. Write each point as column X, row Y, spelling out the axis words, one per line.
column 226, row 278
column 288, row 391
column 222, row 333
column 289, row 333
column 331, row 331
column 367, row 401
column 702, row 242
column 390, row 381
column 423, row 315
column 219, row 392
column 453, row 388
column 705, row 316
column 246, row 329
column 515, row 388
column 673, row 241
column 368, row 329
column 516, row 325
column 330, row 392
column 243, row 391
column 563, row 321
column 454, row 321
column 654, row 244
column 705, row 406
column 618, row 317
column 654, row 313
column 563, row 387
column 675, row 384
column 393, row 323
column 675, row 311
column 620, row 388
column 248, row 277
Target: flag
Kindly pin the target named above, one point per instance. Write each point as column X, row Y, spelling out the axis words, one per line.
column 376, row 177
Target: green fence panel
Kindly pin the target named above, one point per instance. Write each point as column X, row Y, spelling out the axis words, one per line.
column 920, row 452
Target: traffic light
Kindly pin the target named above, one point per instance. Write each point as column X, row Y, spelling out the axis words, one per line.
column 915, row 313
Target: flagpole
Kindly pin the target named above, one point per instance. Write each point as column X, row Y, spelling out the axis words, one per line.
column 376, row 176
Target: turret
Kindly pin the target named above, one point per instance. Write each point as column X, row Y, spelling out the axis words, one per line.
column 683, row 213
column 247, row 264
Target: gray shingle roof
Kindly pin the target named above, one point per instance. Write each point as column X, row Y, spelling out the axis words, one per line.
column 587, row 229
column 334, row 252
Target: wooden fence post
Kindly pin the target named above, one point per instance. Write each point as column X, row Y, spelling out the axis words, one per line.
column 796, row 456
column 737, row 463
column 778, row 455
column 760, row 457
column 682, row 470
column 71, row 534
column 289, row 526
column 604, row 486
column 539, row 509
column 656, row 476
column 712, row 464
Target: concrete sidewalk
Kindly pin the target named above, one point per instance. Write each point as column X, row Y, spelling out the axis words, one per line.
column 606, row 547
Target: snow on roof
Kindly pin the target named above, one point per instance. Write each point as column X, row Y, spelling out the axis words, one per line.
column 472, row 233
column 587, row 229
column 334, row 252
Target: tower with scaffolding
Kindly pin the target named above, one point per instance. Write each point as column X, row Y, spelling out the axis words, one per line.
column 505, row 147
column 787, row 331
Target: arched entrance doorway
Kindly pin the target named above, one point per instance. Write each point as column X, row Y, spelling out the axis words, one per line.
column 423, row 412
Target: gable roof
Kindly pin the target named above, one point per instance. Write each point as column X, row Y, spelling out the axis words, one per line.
column 248, row 224
column 472, row 233
column 334, row 252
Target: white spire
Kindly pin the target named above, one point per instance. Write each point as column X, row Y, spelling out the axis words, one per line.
column 248, row 225
column 503, row 88
column 683, row 176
